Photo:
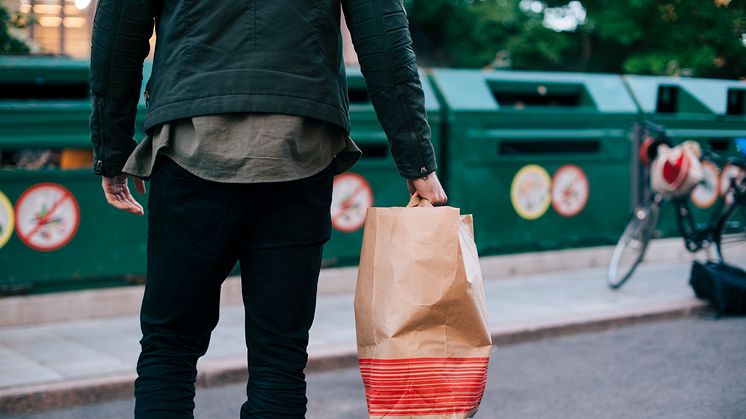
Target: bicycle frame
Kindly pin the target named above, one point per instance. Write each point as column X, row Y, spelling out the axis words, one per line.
column 699, row 236
column 647, row 205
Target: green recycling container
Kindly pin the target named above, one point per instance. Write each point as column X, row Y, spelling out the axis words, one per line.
column 542, row 160
column 709, row 111
column 374, row 180
column 56, row 229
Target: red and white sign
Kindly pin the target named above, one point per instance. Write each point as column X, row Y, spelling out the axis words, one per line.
column 705, row 194
column 351, row 198
column 570, row 190
column 47, row 217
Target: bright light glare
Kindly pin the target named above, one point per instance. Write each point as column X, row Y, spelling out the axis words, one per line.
column 566, row 18
column 82, row 4
column 531, row 5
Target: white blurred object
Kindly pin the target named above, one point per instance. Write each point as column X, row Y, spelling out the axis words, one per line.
column 676, row 171
column 82, row 4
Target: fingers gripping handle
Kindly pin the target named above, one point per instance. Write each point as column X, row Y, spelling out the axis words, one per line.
column 418, row 201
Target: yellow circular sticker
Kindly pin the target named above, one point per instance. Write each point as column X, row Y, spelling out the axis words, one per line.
column 7, row 219
column 530, row 192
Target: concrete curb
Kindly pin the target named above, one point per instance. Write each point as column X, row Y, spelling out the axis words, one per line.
column 216, row 373
column 112, row 302
column 68, row 393
column 597, row 323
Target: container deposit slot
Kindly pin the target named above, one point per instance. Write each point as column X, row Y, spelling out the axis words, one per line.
column 675, row 100
column 358, row 95
column 521, row 148
column 736, row 102
column 668, row 99
column 533, row 95
column 40, row 89
column 31, row 93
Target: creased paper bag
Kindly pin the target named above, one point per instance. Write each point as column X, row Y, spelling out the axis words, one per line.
column 422, row 335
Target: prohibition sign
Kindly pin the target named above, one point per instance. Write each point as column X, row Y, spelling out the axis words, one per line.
column 570, row 190
column 531, row 192
column 351, row 198
column 47, row 217
column 705, row 194
column 7, row 219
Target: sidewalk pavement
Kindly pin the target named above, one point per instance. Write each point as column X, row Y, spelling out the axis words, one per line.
column 82, row 361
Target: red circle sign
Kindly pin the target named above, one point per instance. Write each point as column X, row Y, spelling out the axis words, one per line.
column 570, row 190
column 47, row 217
column 351, row 198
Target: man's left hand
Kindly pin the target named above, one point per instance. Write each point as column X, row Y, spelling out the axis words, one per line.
column 118, row 194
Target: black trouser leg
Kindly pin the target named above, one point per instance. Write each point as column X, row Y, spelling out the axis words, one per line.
column 188, row 259
column 280, row 271
column 280, row 297
column 197, row 230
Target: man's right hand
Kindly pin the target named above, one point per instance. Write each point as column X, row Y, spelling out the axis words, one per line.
column 428, row 188
column 117, row 193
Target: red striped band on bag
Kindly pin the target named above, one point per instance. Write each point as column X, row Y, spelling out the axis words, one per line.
column 423, row 386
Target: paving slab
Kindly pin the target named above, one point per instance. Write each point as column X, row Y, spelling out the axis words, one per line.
column 78, row 361
column 123, row 301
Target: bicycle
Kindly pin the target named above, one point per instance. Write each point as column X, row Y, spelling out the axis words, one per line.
column 725, row 229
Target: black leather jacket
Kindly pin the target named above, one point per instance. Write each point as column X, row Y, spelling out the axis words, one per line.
column 215, row 56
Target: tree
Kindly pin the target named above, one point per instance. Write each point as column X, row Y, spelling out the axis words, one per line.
column 9, row 44
column 689, row 37
column 464, row 33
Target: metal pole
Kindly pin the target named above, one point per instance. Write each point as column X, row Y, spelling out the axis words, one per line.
column 637, row 178
column 32, row 16
column 62, row 27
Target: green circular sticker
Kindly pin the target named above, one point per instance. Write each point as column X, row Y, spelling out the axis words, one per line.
column 7, row 219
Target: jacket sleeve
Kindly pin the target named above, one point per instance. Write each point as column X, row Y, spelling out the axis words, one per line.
column 120, row 43
column 380, row 33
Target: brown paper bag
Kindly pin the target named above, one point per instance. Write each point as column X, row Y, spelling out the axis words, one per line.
column 422, row 335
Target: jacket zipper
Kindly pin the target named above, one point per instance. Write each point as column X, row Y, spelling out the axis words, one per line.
column 101, row 110
column 146, row 94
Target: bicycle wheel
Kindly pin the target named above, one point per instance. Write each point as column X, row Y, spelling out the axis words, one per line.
column 730, row 240
column 632, row 244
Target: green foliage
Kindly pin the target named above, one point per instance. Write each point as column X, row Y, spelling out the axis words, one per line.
column 690, row 37
column 9, row 44
column 698, row 37
column 464, row 33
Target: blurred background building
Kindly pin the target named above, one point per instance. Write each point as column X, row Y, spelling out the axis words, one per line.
column 683, row 38
column 55, row 27
column 63, row 27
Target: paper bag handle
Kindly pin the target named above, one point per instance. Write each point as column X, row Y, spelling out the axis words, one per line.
column 418, row 201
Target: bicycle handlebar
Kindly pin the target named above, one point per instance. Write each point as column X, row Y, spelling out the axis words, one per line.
column 708, row 154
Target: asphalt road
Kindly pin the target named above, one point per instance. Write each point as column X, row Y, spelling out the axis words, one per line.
column 691, row 368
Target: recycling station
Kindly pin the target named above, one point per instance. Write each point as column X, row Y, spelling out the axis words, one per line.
column 542, row 160
column 59, row 231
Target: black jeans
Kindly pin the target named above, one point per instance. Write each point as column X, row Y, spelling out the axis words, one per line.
column 197, row 231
